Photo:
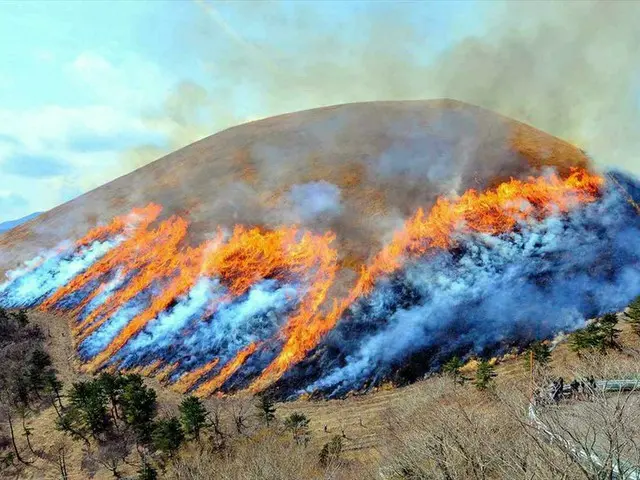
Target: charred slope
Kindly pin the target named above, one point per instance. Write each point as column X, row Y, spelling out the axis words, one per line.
column 482, row 298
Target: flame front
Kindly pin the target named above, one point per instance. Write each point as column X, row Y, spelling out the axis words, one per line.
column 492, row 212
column 255, row 298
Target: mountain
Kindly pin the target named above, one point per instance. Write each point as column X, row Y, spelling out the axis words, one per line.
column 331, row 250
column 357, row 169
column 5, row 226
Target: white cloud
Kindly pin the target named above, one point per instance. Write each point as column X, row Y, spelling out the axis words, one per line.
column 129, row 82
column 88, row 139
column 52, row 125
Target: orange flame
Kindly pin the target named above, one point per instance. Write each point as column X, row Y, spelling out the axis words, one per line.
column 210, row 386
column 189, row 379
column 151, row 255
column 246, row 258
column 137, row 220
column 158, row 258
column 491, row 212
column 166, row 372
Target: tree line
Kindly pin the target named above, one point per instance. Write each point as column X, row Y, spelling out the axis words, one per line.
column 114, row 416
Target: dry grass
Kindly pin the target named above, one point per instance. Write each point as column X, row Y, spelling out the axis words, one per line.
column 390, row 423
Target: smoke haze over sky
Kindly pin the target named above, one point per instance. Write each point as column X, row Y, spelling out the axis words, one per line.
column 90, row 91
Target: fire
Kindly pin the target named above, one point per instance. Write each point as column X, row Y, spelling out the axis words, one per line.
column 188, row 380
column 491, row 212
column 151, row 254
column 155, row 268
column 229, row 369
column 137, row 220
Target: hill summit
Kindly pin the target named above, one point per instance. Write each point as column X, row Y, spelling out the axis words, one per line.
column 358, row 169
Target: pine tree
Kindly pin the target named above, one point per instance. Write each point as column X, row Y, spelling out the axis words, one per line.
column 610, row 333
column 138, row 405
column 266, row 409
column 588, row 338
column 633, row 316
column 452, row 368
column 147, row 472
column 90, row 403
column 39, row 365
column 598, row 336
column 298, row 424
column 541, row 355
column 112, row 385
column 167, row 435
column 193, row 416
column 484, row 375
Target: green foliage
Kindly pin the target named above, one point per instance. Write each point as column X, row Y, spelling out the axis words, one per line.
column 71, row 422
column 484, row 375
column 7, row 459
column 331, row 451
column 452, row 367
column 39, row 363
column 138, row 405
column 266, row 409
column 298, row 424
column 27, row 371
column 633, row 316
column 88, row 407
column 147, row 472
column 167, row 435
column 541, row 355
column 193, row 416
column 87, row 412
column 113, row 386
column 610, row 333
column 51, row 384
column 597, row 336
column 21, row 318
column 586, row 339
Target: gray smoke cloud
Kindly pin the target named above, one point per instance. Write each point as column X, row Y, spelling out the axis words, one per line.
column 568, row 68
column 315, row 201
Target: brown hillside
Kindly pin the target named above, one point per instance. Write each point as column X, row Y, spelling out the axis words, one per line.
column 386, row 158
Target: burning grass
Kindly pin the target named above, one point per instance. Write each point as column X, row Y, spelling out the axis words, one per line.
column 240, row 310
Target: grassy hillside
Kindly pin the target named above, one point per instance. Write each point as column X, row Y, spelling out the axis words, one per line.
column 386, row 158
column 380, row 433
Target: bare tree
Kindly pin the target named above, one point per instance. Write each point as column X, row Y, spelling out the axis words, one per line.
column 112, row 453
column 599, row 430
column 240, row 412
column 7, row 415
column 447, row 433
column 215, row 419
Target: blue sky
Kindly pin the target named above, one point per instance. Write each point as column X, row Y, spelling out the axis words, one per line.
column 91, row 90
column 75, row 77
column 80, row 79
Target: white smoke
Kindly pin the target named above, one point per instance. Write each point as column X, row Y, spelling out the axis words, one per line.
column 26, row 286
column 314, row 201
column 547, row 278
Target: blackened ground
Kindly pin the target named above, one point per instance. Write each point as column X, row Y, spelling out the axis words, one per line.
column 558, row 283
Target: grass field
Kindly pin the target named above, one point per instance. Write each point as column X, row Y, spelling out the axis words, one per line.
column 361, row 420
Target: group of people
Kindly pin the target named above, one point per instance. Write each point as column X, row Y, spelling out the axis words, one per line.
column 558, row 390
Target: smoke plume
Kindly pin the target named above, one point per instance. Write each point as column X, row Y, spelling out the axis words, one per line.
column 568, row 68
column 488, row 295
